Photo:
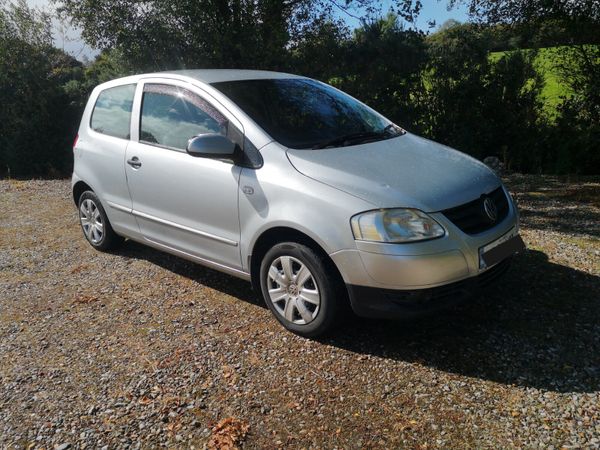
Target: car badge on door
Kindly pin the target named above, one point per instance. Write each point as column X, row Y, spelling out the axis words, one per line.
column 490, row 209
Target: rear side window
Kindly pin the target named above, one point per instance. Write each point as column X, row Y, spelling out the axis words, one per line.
column 112, row 112
column 171, row 116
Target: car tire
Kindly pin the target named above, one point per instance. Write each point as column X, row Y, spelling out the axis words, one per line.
column 95, row 224
column 299, row 289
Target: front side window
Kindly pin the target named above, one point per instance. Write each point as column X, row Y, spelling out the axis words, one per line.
column 303, row 113
column 112, row 112
column 171, row 116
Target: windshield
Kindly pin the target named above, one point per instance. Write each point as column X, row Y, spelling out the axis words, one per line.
column 302, row 113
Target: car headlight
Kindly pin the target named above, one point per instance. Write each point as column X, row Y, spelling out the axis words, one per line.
column 395, row 226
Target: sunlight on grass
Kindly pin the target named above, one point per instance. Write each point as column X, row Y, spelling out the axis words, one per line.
column 545, row 62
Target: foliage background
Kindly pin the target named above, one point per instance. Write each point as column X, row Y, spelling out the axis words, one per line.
column 520, row 82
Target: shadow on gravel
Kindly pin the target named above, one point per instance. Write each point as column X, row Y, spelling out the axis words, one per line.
column 539, row 326
column 544, row 201
column 207, row 277
column 543, row 217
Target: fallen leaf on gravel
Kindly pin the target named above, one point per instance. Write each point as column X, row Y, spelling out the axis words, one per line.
column 85, row 299
column 178, row 356
column 230, row 375
column 145, row 401
column 227, row 434
column 79, row 268
column 171, row 403
column 173, row 427
column 227, row 371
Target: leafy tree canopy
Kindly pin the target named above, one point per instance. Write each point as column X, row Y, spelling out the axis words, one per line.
column 37, row 118
column 581, row 17
column 155, row 34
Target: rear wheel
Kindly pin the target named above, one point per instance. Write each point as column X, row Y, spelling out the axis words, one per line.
column 94, row 223
column 298, row 289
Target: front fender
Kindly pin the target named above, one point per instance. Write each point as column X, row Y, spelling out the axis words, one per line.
column 277, row 195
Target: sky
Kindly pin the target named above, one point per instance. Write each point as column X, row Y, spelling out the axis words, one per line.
column 70, row 41
column 433, row 10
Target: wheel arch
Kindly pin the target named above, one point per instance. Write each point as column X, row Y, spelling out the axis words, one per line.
column 79, row 188
column 278, row 234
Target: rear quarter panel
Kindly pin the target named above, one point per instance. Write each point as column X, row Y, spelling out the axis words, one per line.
column 99, row 161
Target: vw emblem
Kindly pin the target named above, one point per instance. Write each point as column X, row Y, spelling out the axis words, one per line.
column 490, row 209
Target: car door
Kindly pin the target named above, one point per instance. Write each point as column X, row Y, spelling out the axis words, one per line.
column 182, row 202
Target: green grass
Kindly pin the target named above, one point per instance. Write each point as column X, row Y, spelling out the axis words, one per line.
column 545, row 63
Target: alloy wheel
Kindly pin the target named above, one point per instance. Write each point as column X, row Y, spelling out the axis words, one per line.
column 293, row 290
column 91, row 221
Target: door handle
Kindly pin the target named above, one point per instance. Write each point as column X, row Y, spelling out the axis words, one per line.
column 135, row 162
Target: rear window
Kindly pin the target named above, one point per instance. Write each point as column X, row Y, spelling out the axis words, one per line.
column 112, row 112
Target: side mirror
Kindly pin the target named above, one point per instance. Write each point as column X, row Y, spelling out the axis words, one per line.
column 211, row 145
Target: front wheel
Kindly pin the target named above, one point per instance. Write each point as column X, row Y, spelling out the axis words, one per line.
column 298, row 289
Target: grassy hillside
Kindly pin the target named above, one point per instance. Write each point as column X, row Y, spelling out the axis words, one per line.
column 546, row 61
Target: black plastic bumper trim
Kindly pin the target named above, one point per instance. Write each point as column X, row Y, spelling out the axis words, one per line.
column 395, row 304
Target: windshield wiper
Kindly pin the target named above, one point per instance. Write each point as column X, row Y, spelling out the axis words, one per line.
column 352, row 137
column 360, row 137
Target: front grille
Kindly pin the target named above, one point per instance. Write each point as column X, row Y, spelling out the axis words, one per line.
column 472, row 218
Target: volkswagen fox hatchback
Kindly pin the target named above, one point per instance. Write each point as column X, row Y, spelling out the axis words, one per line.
column 291, row 184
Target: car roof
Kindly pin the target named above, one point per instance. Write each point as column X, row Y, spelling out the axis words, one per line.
column 219, row 75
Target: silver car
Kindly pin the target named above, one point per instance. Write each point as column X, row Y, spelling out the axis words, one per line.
column 316, row 199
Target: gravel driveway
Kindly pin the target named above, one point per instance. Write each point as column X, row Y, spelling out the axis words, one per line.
column 139, row 348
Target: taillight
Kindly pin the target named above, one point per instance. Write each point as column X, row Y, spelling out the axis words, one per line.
column 75, row 141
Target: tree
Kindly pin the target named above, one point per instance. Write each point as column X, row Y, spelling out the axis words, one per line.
column 454, row 80
column 479, row 106
column 38, row 117
column 574, row 13
column 578, row 24
column 155, row 34
column 321, row 50
column 576, row 138
column 383, row 64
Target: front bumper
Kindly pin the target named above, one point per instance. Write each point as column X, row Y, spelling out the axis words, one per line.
column 405, row 304
column 386, row 280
